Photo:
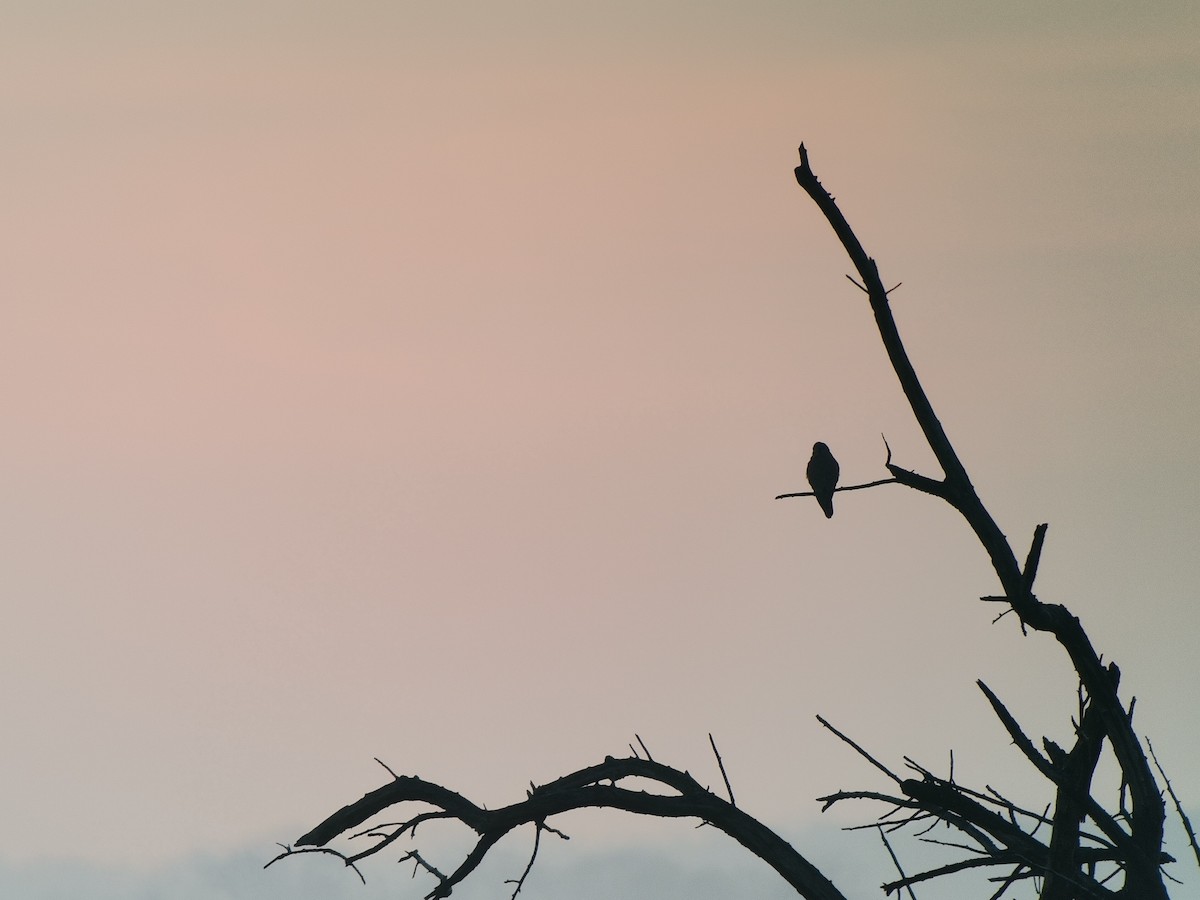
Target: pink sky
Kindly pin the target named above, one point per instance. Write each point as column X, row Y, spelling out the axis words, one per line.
column 413, row 382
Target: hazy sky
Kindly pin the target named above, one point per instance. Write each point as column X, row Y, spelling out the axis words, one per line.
column 413, row 380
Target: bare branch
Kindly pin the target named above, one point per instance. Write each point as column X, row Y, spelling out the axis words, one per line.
column 291, row 851
column 442, row 890
column 1035, row 555
column 899, row 868
column 721, row 766
column 1023, row 743
column 1183, row 818
column 845, row 487
column 519, row 883
column 1074, row 793
column 642, row 744
column 869, row 274
column 1148, row 812
column 386, row 766
column 579, row 790
column 863, row 753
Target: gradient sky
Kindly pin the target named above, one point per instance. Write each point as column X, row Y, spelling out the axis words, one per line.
column 413, row 380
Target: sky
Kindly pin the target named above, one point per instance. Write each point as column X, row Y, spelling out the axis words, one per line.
column 414, row 381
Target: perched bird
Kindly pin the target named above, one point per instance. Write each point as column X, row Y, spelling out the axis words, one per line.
column 822, row 473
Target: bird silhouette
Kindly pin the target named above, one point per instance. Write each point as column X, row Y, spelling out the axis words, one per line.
column 823, row 471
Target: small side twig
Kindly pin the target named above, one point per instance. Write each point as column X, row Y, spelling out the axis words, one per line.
column 721, row 766
column 847, row 487
column 291, row 851
column 1019, row 738
column 520, row 882
column 1035, row 554
column 389, row 768
column 642, row 744
column 1187, row 824
column 863, row 753
column 896, row 862
column 419, row 862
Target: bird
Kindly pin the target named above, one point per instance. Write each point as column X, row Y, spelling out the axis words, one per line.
column 823, row 471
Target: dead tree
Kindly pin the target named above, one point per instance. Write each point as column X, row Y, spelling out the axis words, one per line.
column 1076, row 847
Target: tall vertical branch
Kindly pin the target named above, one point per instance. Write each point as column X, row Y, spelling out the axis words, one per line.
column 869, row 273
column 957, row 488
column 1148, row 808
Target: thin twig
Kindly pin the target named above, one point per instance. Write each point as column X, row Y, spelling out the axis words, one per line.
column 389, row 768
column 721, row 765
column 642, row 744
column 1008, row 882
column 289, row 851
column 896, row 862
column 1187, row 825
column 520, row 882
column 863, row 753
column 419, row 861
column 847, row 487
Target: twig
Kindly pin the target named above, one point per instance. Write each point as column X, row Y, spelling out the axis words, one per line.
column 642, row 744
column 520, row 882
column 899, row 802
column 1035, row 554
column 721, row 766
column 1022, row 742
column 1187, row 825
column 1006, row 883
column 848, row 487
column 290, row 851
column 896, row 862
column 386, row 766
column 418, row 861
column 863, row 753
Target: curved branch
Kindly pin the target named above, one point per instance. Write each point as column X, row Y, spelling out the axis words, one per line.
column 578, row 790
